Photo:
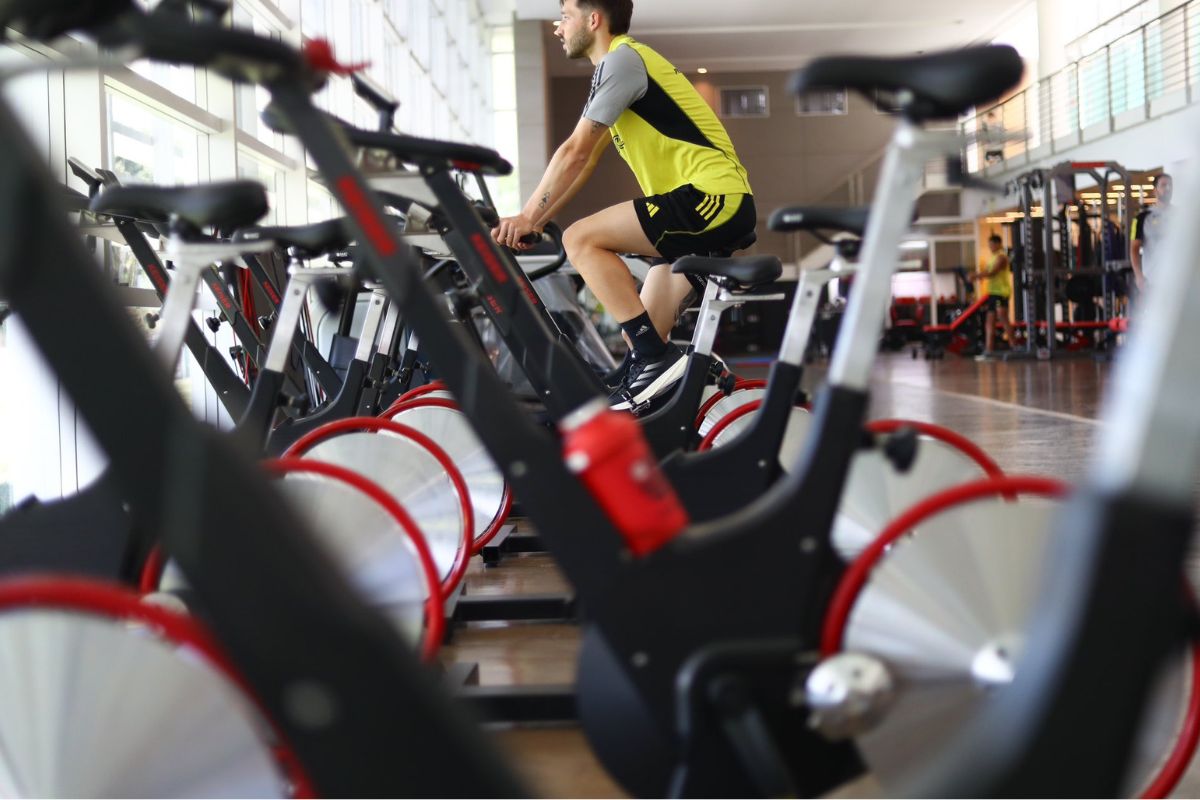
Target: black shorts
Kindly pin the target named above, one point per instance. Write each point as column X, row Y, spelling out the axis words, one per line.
column 686, row 221
column 996, row 302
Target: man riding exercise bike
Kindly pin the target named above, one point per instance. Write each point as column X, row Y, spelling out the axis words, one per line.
column 697, row 193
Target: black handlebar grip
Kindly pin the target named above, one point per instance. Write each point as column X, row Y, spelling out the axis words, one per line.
column 554, row 233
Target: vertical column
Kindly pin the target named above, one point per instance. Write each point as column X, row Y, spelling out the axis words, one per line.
column 533, row 124
column 1054, row 30
column 83, row 110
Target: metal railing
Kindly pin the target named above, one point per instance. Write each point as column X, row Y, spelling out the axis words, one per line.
column 1146, row 73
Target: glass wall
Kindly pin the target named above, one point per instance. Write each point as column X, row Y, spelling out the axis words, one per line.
column 171, row 125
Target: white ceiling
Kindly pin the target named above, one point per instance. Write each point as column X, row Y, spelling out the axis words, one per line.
column 742, row 35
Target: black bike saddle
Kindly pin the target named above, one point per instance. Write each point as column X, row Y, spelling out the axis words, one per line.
column 819, row 218
column 308, row 241
column 941, row 85
column 226, row 205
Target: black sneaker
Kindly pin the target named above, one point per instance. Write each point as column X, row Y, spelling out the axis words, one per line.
column 616, row 376
column 646, row 379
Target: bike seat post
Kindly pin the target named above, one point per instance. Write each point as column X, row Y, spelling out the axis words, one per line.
column 288, row 316
column 190, row 259
column 804, row 312
column 709, row 319
column 372, row 324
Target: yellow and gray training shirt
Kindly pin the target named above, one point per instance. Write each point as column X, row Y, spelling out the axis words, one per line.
column 661, row 125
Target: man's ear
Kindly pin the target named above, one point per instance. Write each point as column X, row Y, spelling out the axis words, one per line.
column 594, row 20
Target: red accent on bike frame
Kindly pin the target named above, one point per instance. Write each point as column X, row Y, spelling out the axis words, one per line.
column 251, row 315
column 484, row 248
column 364, row 214
column 319, row 55
column 376, row 424
column 501, row 516
column 93, row 597
column 530, row 294
column 223, row 298
column 435, row 612
column 152, row 570
column 157, row 277
column 855, row 577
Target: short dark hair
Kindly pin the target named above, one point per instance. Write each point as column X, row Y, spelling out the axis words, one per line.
column 617, row 12
column 995, row 237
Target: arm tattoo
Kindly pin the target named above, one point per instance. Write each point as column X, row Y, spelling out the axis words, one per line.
column 545, row 201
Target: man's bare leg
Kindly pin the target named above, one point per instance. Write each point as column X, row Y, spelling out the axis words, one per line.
column 592, row 245
column 663, row 293
column 1007, row 325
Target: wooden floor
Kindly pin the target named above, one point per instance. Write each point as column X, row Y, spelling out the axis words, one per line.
column 1032, row 418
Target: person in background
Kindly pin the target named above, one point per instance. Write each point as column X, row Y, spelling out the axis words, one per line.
column 1148, row 231
column 997, row 283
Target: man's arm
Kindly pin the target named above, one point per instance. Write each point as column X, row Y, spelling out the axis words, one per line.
column 549, row 214
column 1001, row 265
column 1135, row 251
column 561, row 181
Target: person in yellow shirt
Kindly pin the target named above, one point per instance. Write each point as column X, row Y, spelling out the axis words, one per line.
column 697, row 196
column 997, row 282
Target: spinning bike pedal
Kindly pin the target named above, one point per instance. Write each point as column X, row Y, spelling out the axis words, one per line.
column 901, row 448
column 264, row 322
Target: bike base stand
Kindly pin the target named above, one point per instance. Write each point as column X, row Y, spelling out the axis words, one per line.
column 544, row 703
column 510, row 542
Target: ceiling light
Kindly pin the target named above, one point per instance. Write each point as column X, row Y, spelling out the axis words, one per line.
column 703, row 70
column 914, row 245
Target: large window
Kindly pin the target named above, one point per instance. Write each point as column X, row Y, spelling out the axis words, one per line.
column 252, row 168
column 179, row 79
column 506, row 191
column 148, row 147
column 251, row 100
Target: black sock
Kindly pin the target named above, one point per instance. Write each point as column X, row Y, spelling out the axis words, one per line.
column 645, row 339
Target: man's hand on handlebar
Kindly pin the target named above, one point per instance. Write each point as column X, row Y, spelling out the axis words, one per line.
column 514, row 232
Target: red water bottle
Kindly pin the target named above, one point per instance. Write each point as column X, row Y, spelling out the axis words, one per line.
column 607, row 451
